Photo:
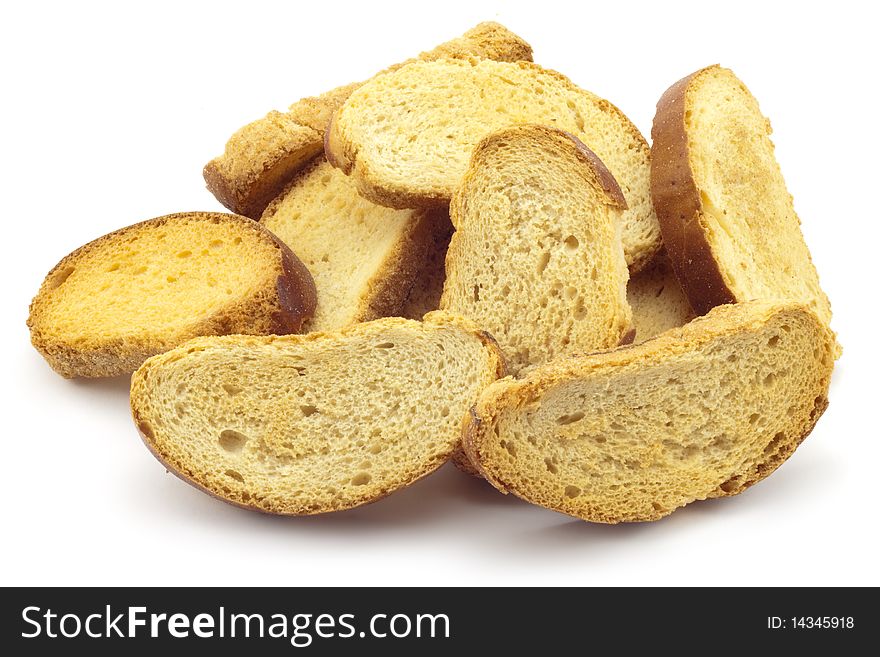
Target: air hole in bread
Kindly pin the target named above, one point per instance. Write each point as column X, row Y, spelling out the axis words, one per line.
column 232, row 389
column 361, row 479
column 184, row 254
column 509, row 446
column 551, row 467
column 769, row 380
column 572, row 491
column 571, row 243
column 232, row 440
column 773, row 445
column 234, row 475
column 543, row 260
column 114, row 267
column 730, row 485
column 476, row 292
column 385, row 345
column 308, row 410
column 773, row 341
column 570, row 419
column 60, row 277
column 141, row 270
column 146, row 429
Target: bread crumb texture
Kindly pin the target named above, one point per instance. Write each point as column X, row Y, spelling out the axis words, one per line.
column 536, row 258
column 633, row 434
column 309, row 424
column 383, row 253
column 146, row 288
column 407, row 136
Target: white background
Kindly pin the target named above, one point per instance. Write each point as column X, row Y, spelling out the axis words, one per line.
column 110, row 111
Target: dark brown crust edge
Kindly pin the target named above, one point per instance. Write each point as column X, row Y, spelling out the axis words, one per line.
column 603, row 175
column 250, row 200
column 297, row 295
column 678, row 206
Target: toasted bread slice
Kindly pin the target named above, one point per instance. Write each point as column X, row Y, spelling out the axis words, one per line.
column 658, row 303
column 425, row 294
column 263, row 156
column 633, row 434
column 139, row 291
column 300, row 425
column 536, row 258
column 406, row 137
column 365, row 258
column 728, row 220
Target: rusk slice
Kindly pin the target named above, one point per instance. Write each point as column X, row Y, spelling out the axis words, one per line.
column 144, row 289
column 407, row 136
column 658, row 303
column 263, row 156
column 308, row 424
column 536, row 258
column 728, row 220
column 365, row 258
column 633, row 434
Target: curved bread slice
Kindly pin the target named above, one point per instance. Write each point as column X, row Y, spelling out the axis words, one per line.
column 728, row 221
column 365, row 258
column 144, row 289
column 307, row 424
column 536, row 257
column 263, row 156
column 425, row 294
column 406, row 137
column 631, row 435
column 658, row 303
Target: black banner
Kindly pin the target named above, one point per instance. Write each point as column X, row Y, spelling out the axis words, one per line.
column 433, row 621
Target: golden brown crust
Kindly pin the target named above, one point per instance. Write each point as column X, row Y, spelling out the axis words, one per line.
column 262, row 157
column 678, row 205
column 282, row 309
column 258, row 161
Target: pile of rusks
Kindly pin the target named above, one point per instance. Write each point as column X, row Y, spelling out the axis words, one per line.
column 467, row 258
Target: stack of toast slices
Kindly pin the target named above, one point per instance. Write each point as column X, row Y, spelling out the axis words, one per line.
column 467, row 257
